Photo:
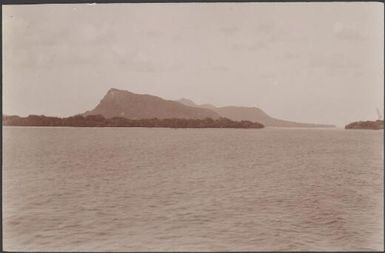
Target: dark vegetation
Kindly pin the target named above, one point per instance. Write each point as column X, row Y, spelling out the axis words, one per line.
column 100, row 121
column 375, row 125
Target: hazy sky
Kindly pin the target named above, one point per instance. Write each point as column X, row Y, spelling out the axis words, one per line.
column 307, row 62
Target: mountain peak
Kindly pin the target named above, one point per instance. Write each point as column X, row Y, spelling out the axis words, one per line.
column 187, row 102
column 122, row 103
column 113, row 90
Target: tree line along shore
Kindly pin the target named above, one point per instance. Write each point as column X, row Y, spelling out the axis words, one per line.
column 374, row 125
column 100, row 121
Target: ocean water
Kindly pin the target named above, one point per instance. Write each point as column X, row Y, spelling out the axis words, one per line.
column 152, row 189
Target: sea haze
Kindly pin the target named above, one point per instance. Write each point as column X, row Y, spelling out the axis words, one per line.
column 142, row 189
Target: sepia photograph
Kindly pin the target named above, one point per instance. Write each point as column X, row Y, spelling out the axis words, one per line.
column 193, row 126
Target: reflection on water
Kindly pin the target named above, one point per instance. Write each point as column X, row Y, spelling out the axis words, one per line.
column 135, row 189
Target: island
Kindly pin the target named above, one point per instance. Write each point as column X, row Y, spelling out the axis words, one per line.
column 374, row 125
column 100, row 121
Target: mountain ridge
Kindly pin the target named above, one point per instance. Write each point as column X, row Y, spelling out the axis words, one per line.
column 253, row 114
column 123, row 103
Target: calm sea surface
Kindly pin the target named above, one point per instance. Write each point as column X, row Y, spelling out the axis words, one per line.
column 143, row 189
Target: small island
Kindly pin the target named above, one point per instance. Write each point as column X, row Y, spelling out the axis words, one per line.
column 374, row 125
column 100, row 121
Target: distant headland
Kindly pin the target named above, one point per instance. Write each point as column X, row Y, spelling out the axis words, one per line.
column 121, row 108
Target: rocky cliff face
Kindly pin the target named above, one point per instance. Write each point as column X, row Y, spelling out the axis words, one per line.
column 120, row 103
column 253, row 114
